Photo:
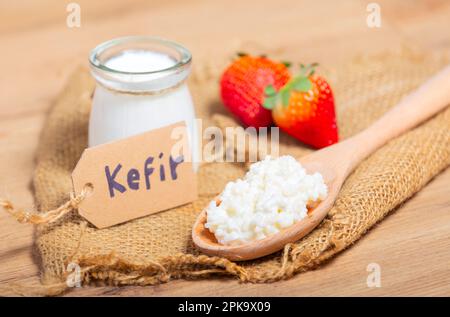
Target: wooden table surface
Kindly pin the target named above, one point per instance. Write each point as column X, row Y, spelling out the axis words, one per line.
column 38, row 52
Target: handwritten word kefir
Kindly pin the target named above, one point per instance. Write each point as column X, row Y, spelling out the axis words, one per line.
column 273, row 195
column 141, row 86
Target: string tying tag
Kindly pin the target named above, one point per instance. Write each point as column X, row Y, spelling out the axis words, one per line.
column 46, row 216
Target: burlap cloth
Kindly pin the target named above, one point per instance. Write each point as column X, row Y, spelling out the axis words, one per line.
column 158, row 248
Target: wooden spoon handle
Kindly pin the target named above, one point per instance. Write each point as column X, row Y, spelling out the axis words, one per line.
column 421, row 104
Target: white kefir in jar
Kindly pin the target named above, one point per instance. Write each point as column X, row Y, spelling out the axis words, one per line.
column 141, row 86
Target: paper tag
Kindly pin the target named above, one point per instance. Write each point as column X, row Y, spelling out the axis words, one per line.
column 135, row 177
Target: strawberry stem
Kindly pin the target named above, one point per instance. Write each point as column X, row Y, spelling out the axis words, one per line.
column 300, row 83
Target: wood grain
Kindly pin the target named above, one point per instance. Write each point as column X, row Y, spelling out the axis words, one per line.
column 39, row 51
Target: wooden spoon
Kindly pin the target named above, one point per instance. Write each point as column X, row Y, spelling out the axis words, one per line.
column 335, row 163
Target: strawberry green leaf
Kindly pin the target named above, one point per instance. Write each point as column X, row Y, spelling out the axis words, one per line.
column 287, row 64
column 270, row 90
column 302, row 84
column 285, row 95
column 270, row 102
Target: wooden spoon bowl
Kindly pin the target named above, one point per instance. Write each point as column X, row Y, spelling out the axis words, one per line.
column 207, row 243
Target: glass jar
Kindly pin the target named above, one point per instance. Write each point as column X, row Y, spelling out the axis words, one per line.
column 141, row 86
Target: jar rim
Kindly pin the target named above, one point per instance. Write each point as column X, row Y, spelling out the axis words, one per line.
column 185, row 55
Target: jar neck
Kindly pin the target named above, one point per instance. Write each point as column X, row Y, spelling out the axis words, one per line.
column 153, row 81
column 148, row 92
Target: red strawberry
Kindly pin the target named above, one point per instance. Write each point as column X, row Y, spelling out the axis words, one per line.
column 242, row 87
column 304, row 108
